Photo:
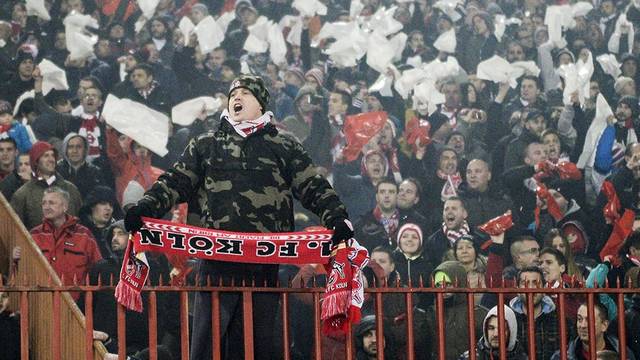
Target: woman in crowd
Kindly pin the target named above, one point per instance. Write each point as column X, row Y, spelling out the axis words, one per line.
column 467, row 253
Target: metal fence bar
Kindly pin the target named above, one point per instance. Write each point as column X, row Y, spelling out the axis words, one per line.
column 471, row 320
column 379, row 327
column 621, row 328
column 317, row 325
column 285, row 327
column 591, row 324
column 122, row 332
column 410, row 337
column 184, row 325
column 215, row 326
column 247, row 318
column 531, row 324
column 501, row 327
column 562, row 326
column 153, row 326
column 440, row 322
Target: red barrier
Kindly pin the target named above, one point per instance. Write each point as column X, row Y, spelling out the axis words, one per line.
column 378, row 295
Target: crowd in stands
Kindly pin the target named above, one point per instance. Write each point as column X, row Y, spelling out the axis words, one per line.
column 474, row 112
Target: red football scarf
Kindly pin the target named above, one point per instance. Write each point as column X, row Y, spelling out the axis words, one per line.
column 344, row 294
column 342, row 301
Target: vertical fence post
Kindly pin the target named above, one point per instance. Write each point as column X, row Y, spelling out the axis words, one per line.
column 317, row 325
column 562, row 326
column 285, row 326
column 122, row 332
column 531, row 326
column 215, row 326
column 591, row 323
column 440, row 324
column 247, row 319
column 621, row 327
column 379, row 326
column 471, row 321
column 153, row 325
column 503, row 338
column 184, row 325
column 410, row 337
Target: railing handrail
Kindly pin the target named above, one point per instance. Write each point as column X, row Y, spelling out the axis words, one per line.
column 400, row 290
column 12, row 233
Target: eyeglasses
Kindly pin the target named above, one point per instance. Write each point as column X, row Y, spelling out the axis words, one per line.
column 532, row 251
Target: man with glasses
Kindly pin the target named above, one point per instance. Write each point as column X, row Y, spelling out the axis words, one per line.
column 525, row 253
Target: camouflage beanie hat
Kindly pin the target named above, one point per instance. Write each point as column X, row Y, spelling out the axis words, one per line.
column 253, row 84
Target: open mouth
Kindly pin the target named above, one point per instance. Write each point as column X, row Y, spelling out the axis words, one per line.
column 237, row 107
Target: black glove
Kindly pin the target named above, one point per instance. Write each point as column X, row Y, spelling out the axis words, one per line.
column 342, row 231
column 133, row 217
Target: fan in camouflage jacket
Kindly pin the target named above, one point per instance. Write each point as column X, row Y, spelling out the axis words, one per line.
column 243, row 184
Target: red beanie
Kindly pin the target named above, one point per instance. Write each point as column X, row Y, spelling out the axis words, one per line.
column 37, row 150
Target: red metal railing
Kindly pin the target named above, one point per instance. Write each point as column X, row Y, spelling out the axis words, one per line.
column 377, row 295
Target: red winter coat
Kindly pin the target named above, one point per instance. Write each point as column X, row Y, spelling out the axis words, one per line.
column 127, row 166
column 70, row 249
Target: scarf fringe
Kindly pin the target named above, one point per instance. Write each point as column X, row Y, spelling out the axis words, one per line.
column 128, row 297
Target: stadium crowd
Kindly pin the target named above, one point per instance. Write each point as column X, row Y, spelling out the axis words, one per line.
column 472, row 113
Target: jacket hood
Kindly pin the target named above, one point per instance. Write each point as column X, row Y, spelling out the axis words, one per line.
column 510, row 316
column 548, row 306
column 65, row 144
column 455, row 271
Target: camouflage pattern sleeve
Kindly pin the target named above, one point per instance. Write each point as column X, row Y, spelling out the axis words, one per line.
column 312, row 189
column 178, row 183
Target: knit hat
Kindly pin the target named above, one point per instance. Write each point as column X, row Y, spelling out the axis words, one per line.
column 632, row 103
column 37, row 150
column 297, row 72
column 255, row 84
column 367, row 323
column 244, row 4
column 363, row 164
column 621, row 82
column 559, row 52
column 554, row 98
column 406, row 227
column 102, row 194
column 26, row 52
column 132, row 193
column 5, row 107
column 317, row 74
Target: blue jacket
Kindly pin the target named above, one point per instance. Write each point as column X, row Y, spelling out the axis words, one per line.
column 18, row 132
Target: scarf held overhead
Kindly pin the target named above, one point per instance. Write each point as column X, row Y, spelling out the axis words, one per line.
column 343, row 296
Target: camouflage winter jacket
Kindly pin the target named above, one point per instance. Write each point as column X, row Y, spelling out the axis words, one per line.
column 245, row 184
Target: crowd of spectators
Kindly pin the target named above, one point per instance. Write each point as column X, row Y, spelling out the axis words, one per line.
column 456, row 147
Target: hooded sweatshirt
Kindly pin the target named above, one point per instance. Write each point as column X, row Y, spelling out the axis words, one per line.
column 86, row 176
column 455, row 312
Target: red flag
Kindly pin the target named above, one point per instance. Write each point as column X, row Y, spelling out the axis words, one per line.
column 359, row 129
column 622, row 228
